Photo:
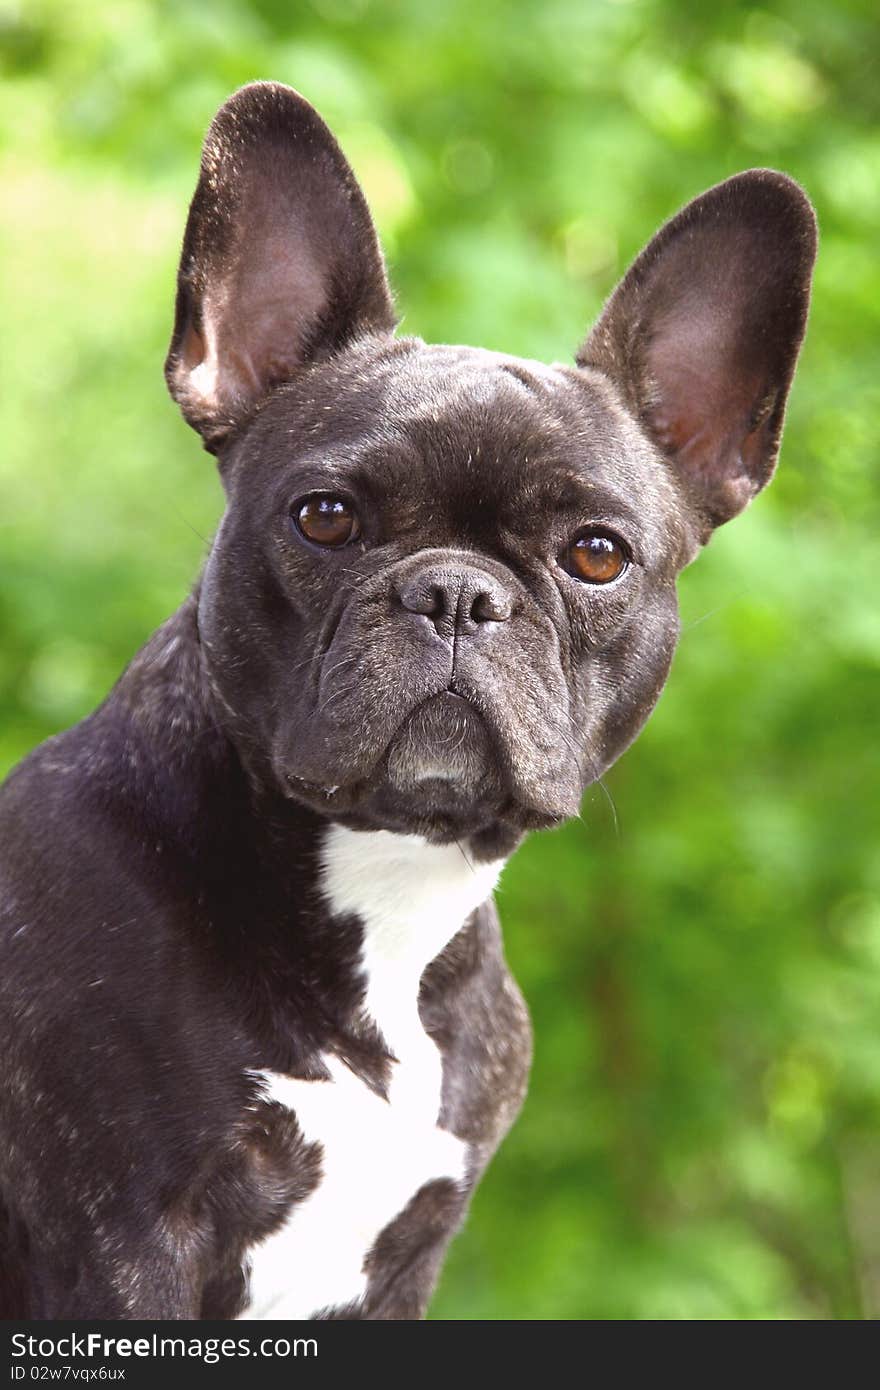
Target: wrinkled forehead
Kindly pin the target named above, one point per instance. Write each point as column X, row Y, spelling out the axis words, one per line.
column 420, row 422
column 460, row 402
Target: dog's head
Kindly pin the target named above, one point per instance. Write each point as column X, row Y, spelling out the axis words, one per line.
column 442, row 597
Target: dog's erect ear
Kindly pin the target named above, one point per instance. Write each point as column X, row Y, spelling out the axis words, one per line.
column 280, row 261
column 702, row 335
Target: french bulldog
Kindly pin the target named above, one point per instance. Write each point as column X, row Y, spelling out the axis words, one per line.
column 258, row 1040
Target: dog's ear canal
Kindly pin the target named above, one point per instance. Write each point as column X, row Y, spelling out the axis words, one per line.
column 280, row 262
column 702, row 335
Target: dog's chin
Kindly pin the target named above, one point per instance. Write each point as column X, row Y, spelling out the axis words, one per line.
column 440, row 776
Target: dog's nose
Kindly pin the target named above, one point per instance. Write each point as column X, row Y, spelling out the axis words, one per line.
column 457, row 599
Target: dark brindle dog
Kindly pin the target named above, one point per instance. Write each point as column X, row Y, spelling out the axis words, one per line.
column 257, row 1037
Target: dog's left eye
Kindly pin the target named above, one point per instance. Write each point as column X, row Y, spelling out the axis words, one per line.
column 326, row 520
column 596, row 557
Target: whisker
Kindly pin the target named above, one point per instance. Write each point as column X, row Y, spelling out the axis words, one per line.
column 344, row 661
column 464, row 856
column 600, row 783
column 189, row 526
column 711, row 614
column 610, row 799
column 597, row 779
column 300, row 664
column 332, row 698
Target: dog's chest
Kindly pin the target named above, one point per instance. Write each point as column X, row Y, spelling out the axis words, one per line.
column 375, row 1153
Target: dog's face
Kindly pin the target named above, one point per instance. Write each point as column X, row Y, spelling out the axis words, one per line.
column 443, row 594
column 442, row 598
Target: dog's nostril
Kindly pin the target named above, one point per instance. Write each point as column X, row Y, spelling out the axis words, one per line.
column 431, row 600
column 491, row 606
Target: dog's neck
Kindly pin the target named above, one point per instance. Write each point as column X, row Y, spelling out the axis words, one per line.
column 411, row 899
column 349, row 919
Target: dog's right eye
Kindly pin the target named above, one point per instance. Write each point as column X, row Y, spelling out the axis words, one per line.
column 326, row 520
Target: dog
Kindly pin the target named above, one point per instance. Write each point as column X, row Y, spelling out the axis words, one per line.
column 258, row 1040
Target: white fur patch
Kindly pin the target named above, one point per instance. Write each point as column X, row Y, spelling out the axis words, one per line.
column 412, row 898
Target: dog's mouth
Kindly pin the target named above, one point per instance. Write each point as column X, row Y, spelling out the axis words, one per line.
column 443, row 775
column 442, row 754
column 460, row 764
column 443, row 751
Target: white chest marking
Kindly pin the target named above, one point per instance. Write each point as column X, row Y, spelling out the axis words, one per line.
column 412, row 898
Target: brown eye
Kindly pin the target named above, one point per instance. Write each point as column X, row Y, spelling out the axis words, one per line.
column 596, row 558
column 326, row 520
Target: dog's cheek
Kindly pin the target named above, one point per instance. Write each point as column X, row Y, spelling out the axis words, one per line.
column 252, row 641
column 372, row 675
column 620, row 685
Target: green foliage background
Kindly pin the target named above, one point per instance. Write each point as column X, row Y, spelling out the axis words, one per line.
column 702, row 1136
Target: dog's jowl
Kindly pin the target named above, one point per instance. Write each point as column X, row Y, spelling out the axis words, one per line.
column 257, row 1036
